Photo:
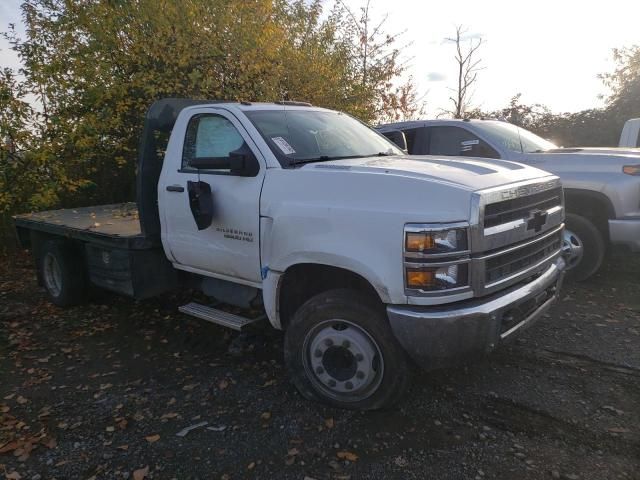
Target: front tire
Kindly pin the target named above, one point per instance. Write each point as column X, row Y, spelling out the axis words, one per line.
column 583, row 247
column 62, row 274
column 341, row 351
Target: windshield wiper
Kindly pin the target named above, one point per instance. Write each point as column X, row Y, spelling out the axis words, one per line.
column 326, row 158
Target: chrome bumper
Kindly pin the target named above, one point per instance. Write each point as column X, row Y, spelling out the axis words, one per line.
column 625, row 232
column 440, row 336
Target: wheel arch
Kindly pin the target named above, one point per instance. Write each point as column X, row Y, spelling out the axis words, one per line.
column 301, row 281
column 592, row 205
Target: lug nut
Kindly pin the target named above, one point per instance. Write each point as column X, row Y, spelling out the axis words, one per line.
column 360, row 374
column 346, row 344
column 319, row 370
column 349, row 385
column 359, row 357
column 328, row 342
column 318, row 353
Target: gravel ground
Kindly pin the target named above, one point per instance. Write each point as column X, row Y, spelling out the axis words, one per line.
column 102, row 390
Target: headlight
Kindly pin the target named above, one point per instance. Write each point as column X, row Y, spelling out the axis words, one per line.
column 437, row 278
column 436, row 257
column 428, row 241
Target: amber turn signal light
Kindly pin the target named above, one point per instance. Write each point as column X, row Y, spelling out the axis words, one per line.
column 420, row 278
column 419, row 242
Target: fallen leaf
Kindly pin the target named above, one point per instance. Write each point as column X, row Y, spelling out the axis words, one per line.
column 251, row 466
column 168, row 415
column 293, row 452
column 265, row 415
column 141, row 473
column 344, row 455
column 269, row 383
column 191, row 386
column 152, row 438
column 21, row 400
column 123, row 447
column 49, row 442
column 9, row 447
column 13, row 476
column 329, row 423
column 224, row 383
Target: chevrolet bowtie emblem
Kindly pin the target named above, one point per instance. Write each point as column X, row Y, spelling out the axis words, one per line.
column 537, row 220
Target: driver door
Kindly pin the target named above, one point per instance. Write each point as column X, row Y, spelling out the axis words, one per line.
column 226, row 243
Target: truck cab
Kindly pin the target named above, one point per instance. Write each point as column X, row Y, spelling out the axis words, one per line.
column 369, row 259
column 601, row 185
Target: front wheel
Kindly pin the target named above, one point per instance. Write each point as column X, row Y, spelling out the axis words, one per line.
column 583, row 247
column 341, row 351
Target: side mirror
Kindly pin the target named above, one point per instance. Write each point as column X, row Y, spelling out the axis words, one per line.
column 397, row 137
column 243, row 162
column 210, row 163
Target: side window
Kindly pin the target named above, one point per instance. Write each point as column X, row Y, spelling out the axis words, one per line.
column 210, row 136
column 410, row 135
column 456, row 141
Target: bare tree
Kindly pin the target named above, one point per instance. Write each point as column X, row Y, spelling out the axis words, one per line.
column 468, row 68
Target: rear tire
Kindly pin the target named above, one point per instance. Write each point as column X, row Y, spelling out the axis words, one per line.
column 341, row 351
column 584, row 245
column 62, row 273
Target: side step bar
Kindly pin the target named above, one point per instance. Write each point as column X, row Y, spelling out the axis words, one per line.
column 219, row 317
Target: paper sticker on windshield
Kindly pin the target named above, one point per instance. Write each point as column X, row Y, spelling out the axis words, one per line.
column 284, row 146
column 467, row 145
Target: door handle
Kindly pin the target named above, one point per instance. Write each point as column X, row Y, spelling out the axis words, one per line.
column 175, row 188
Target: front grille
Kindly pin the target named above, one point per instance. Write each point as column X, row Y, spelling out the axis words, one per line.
column 521, row 207
column 520, row 259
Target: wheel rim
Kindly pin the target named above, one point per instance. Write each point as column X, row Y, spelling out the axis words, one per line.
column 342, row 360
column 52, row 274
column 572, row 249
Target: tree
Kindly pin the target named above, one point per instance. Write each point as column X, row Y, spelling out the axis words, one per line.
column 94, row 67
column 402, row 104
column 468, row 67
column 24, row 180
column 623, row 101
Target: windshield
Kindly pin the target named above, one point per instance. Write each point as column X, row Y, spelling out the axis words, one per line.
column 301, row 136
column 514, row 138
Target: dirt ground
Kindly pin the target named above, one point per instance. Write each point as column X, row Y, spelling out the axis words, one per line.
column 102, row 390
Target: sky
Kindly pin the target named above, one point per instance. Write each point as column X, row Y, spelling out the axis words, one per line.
column 550, row 51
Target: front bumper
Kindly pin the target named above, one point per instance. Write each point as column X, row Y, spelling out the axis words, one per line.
column 448, row 334
column 625, row 232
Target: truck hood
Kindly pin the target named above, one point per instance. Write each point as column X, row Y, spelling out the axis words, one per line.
column 462, row 172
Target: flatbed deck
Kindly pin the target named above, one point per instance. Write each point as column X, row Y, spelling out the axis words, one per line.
column 115, row 225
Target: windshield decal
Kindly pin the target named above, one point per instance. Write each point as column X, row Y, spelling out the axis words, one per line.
column 283, row 145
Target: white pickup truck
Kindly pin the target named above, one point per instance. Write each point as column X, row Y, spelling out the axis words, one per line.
column 601, row 185
column 369, row 259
